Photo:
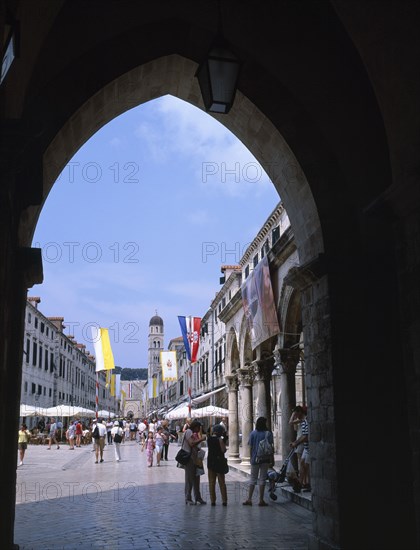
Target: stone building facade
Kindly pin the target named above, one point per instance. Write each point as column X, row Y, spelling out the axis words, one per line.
column 135, row 404
column 56, row 370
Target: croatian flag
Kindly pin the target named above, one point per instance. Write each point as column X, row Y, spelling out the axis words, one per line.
column 190, row 327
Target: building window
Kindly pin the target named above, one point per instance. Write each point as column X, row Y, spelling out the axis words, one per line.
column 47, row 331
column 51, row 361
column 50, row 392
column 247, row 272
column 45, row 391
column 36, row 322
column 33, row 388
column 29, row 317
column 40, row 356
column 34, row 353
column 46, row 360
column 28, row 349
column 255, row 260
column 26, row 387
column 275, row 234
column 42, row 327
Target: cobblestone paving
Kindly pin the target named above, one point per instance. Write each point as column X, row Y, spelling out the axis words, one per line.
column 64, row 500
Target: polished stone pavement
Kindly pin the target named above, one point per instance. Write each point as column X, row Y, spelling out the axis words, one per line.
column 65, row 500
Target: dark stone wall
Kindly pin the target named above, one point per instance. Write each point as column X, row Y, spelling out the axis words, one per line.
column 339, row 81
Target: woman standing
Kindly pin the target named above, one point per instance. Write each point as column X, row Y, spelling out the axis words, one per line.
column 258, row 470
column 216, row 463
column 190, row 443
column 24, row 435
column 150, row 447
column 159, row 442
column 167, row 436
column 117, row 435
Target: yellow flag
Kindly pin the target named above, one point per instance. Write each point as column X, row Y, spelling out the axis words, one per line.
column 107, row 351
column 103, row 351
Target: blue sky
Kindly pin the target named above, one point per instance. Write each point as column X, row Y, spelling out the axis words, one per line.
column 142, row 218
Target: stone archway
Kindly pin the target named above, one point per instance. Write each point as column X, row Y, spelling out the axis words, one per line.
column 336, row 90
column 174, row 75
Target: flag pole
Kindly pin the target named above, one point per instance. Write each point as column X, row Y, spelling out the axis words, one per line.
column 97, row 395
column 189, row 389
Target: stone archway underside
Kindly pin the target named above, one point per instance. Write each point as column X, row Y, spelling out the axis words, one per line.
column 174, row 75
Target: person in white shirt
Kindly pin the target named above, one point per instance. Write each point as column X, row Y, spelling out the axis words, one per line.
column 141, row 431
column 100, row 441
column 117, row 432
column 109, row 426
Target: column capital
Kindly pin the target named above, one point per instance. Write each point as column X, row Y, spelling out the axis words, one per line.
column 232, row 382
column 286, row 359
column 262, row 369
column 246, row 375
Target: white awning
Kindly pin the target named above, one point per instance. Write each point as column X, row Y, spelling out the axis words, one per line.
column 204, row 397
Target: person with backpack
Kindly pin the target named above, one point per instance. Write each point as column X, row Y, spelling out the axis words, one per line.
column 261, row 443
column 117, row 436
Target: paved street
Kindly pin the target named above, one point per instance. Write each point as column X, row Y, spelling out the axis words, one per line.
column 65, row 500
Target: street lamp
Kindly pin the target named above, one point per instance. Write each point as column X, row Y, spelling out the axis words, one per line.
column 218, row 74
column 217, row 77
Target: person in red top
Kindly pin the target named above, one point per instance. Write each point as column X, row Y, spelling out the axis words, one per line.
column 79, row 432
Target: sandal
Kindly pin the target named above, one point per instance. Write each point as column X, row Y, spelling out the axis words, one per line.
column 247, row 503
column 262, row 503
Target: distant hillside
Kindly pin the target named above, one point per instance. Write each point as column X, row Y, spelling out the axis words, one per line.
column 131, row 374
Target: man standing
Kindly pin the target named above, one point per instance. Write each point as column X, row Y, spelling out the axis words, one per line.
column 52, row 434
column 99, row 434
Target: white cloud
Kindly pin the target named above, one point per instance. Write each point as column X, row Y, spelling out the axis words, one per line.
column 223, row 165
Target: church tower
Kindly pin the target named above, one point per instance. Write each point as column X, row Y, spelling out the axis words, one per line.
column 156, row 336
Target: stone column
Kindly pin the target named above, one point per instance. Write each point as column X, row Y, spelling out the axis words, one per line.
column 232, row 383
column 262, row 372
column 285, row 362
column 259, row 389
column 246, row 378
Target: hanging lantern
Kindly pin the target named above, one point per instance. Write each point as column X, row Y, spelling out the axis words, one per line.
column 218, row 77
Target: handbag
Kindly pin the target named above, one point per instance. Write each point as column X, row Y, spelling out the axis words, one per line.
column 183, row 457
column 117, row 438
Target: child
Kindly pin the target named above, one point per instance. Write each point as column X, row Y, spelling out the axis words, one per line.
column 273, row 477
column 150, row 447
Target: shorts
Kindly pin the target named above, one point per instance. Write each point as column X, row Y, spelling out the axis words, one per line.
column 305, row 456
column 100, row 443
column 22, row 446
